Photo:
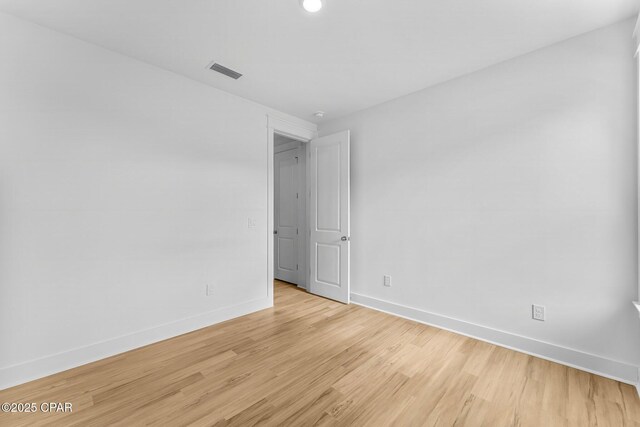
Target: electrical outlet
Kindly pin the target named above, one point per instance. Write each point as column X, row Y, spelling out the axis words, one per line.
column 209, row 290
column 387, row 281
column 252, row 223
column 537, row 312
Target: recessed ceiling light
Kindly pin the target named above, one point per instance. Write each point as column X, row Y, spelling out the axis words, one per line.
column 312, row 6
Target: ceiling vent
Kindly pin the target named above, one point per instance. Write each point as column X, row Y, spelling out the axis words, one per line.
column 226, row 71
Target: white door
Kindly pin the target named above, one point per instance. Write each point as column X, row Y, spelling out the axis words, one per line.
column 329, row 216
column 286, row 216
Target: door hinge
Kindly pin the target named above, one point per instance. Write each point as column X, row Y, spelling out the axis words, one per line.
column 296, row 195
column 296, row 231
column 296, row 159
column 296, row 266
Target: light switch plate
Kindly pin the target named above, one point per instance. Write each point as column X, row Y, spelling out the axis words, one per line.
column 537, row 312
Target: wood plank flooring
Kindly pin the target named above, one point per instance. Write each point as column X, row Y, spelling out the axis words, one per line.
column 311, row 361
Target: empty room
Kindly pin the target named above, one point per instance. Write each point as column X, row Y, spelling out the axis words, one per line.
column 319, row 212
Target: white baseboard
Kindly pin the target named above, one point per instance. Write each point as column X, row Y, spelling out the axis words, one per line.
column 598, row 365
column 34, row 369
column 48, row 365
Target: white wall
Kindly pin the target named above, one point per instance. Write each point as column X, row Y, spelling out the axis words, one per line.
column 510, row 186
column 124, row 191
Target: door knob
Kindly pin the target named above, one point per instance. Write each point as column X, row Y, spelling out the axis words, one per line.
column 275, row 231
column 344, row 238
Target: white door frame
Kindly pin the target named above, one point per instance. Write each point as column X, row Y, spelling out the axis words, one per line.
column 299, row 132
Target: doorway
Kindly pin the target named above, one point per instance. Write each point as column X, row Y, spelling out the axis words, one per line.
column 289, row 211
column 316, row 207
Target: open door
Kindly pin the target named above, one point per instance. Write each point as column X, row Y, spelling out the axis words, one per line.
column 329, row 216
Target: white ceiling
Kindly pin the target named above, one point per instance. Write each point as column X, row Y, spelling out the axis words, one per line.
column 350, row 56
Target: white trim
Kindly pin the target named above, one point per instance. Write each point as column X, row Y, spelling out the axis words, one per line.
column 270, row 207
column 293, row 145
column 300, row 131
column 616, row 370
column 303, row 218
column 21, row 373
column 637, row 40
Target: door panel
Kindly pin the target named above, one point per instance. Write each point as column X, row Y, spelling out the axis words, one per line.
column 287, row 183
column 328, row 264
column 329, row 216
column 328, row 188
column 286, row 253
column 286, row 216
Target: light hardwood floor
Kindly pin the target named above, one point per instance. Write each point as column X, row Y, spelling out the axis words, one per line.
column 311, row 361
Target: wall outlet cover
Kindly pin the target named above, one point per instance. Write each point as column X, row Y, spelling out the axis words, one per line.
column 387, row 281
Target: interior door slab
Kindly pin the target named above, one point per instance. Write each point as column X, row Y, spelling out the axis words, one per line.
column 330, row 216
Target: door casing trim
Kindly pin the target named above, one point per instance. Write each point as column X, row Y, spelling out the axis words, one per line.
column 299, row 132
